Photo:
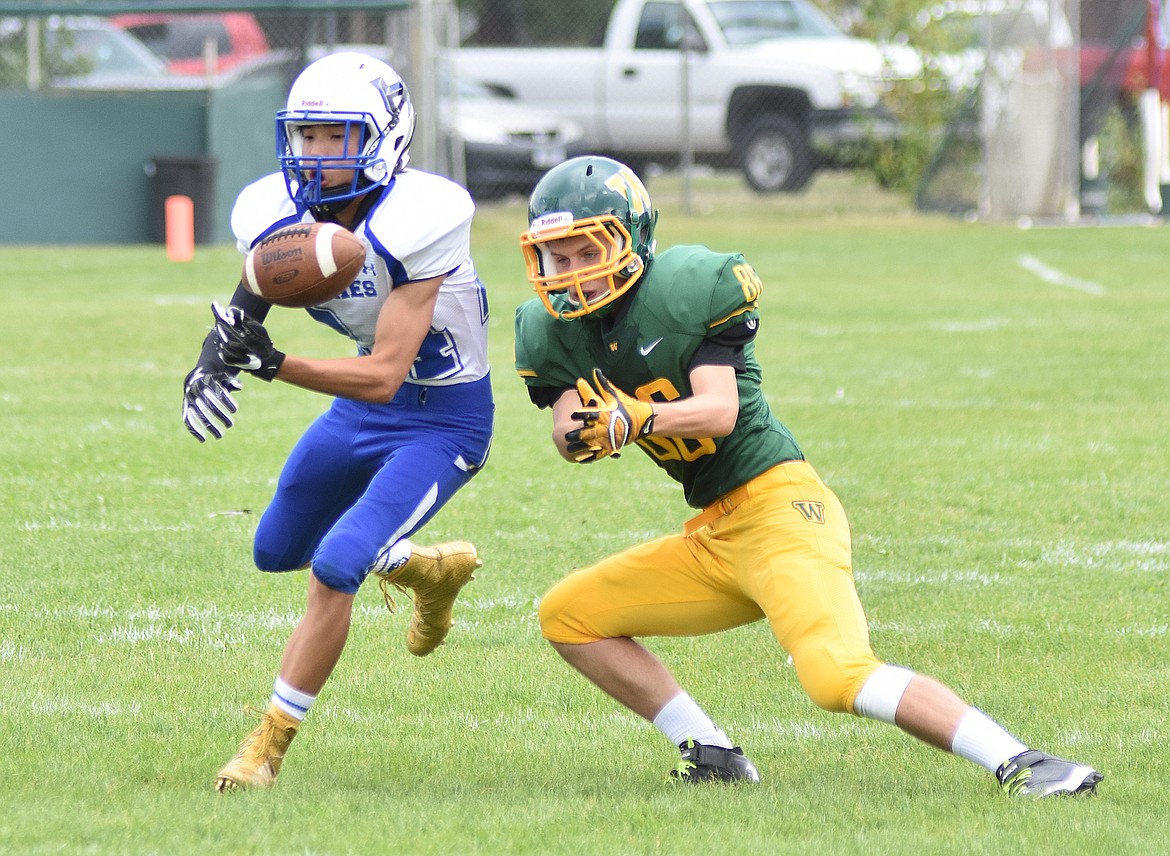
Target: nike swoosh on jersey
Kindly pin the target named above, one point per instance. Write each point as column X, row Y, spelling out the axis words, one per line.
column 646, row 349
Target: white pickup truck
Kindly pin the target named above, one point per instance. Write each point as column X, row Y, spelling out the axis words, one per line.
column 770, row 86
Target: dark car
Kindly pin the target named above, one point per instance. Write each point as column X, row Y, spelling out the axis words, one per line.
column 506, row 146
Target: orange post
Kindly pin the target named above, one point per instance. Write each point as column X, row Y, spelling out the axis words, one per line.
column 180, row 228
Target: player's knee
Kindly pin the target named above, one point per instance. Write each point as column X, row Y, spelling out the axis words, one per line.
column 832, row 679
column 557, row 621
column 336, row 567
column 276, row 561
column 549, row 612
column 275, row 550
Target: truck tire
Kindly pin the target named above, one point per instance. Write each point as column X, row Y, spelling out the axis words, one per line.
column 776, row 156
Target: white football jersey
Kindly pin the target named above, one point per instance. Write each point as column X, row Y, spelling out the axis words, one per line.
column 419, row 229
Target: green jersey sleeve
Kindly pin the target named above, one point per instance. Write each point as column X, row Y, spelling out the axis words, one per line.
column 735, row 297
column 543, row 353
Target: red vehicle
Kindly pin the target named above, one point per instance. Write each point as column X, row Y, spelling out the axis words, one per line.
column 198, row 43
column 1130, row 66
column 1114, row 57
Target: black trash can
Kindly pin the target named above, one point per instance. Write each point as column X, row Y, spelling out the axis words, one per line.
column 182, row 175
column 1094, row 196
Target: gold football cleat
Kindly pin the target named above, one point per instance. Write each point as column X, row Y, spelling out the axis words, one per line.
column 435, row 574
column 261, row 754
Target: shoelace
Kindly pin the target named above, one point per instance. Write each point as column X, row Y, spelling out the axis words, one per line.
column 1018, row 782
column 385, row 585
column 265, row 735
column 419, row 605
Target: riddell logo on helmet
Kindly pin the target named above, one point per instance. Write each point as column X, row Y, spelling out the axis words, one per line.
column 308, row 104
column 549, row 225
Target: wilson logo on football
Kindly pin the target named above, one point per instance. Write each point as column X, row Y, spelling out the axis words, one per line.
column 271, row 257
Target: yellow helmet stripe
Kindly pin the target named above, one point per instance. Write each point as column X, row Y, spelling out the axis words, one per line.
column 625, row 182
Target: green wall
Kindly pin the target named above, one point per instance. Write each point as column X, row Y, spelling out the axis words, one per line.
column 76, row 161
column 241, row 134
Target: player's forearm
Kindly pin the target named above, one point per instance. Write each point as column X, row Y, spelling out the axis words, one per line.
column 697, row 417
column 361, row 378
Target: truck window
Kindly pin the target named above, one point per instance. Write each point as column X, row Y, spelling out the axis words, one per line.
column 182, row 39
column 746, row 22
column 661, row 26
column 515, row 23
column 188, row 38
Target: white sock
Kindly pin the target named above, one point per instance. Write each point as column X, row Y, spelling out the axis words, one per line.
column 393, row 557
column 681, row 719
column 292, row 701
column 982, row 740
column 882, row 693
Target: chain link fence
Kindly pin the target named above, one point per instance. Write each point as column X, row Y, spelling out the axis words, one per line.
column 1044, row 119
column 129, row 106
column 148, row 50
column 1047, row 117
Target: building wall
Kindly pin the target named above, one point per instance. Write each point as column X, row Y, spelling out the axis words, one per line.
column 77, row 161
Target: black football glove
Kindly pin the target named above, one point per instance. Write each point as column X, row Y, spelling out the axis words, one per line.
column 244, row 344
column 207, row 402
column 612, row 419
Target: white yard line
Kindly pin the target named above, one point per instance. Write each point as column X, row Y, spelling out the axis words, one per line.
column 1055, row 277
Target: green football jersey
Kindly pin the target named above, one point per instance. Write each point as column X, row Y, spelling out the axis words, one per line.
column 687, row 294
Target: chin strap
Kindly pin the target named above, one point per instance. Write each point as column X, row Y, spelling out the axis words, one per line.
column 329, row 210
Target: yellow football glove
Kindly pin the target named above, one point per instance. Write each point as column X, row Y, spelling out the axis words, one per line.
column 611, row 420
column 585, row 452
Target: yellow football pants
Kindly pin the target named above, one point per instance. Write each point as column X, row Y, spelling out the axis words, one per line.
column 777, row 547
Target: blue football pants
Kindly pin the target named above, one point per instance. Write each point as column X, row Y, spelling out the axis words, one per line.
column 364, row 476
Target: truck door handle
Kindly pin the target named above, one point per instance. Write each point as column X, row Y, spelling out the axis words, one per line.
column 630, row 71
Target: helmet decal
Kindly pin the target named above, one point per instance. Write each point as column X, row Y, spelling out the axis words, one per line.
column 625, row 182
column 389, row 91
column 549, row 226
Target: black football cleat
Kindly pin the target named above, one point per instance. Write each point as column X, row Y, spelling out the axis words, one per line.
column 1034, row 774
column 700, row 763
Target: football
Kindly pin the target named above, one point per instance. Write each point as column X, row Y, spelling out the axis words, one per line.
column 303, row 265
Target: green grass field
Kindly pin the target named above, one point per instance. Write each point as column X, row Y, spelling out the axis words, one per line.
column 989, row 403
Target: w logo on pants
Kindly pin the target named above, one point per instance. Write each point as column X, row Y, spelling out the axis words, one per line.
column 814, row 512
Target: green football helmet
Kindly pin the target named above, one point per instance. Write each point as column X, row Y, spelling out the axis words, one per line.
column 605, row 202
